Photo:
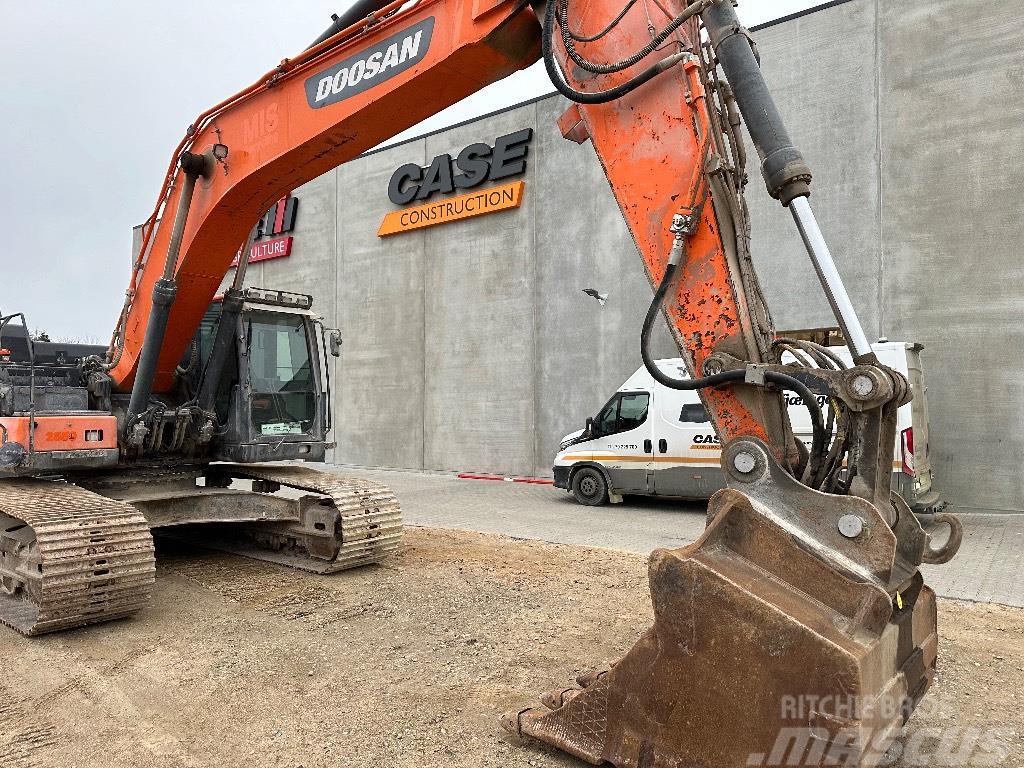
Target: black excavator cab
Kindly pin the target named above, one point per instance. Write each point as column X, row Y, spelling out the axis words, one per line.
column 273, row 397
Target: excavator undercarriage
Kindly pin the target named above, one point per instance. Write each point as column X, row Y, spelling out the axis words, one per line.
column 315, row 520
column 82, row 553
column 69, row 557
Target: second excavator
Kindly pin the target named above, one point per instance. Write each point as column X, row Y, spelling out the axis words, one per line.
column 800, row 610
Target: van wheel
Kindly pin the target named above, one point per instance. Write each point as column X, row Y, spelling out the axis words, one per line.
column 589, row 487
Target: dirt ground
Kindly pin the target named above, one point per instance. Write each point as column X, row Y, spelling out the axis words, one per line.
column 242, row 663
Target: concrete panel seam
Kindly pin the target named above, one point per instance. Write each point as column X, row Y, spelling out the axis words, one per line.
column 879, row 230
column 537, row 165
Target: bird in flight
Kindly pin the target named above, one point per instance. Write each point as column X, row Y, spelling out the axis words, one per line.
column 601, row 297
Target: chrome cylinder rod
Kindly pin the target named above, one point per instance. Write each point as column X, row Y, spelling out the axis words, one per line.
column 825, row 266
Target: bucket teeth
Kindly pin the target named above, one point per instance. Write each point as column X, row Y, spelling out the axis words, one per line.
column 577, row 724
column 587, row 679
column 736, row 637
column 510, row 722
column 558, row 698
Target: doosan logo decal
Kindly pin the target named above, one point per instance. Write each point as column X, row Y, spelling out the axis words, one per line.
column 374, row 65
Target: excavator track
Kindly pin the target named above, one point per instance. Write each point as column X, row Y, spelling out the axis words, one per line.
column 70, row 557
column 368, row 528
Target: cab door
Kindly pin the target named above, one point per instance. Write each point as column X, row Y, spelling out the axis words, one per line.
column 624, row 445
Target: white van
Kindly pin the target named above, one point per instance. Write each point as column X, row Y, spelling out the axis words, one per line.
column 655, row 441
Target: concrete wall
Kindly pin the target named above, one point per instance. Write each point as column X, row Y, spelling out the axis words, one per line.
column 911, row 115
column 952, row 176
column 380, row 378
column 479, row 340
column 470, row 346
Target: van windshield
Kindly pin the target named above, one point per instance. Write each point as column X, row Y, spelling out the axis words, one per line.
column 625, row 411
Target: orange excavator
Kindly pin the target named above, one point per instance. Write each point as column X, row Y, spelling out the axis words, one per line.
column 800, row 610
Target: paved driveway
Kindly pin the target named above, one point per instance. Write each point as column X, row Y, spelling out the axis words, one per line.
column 987, row 569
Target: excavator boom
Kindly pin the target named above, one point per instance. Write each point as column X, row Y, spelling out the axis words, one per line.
column 303, row 118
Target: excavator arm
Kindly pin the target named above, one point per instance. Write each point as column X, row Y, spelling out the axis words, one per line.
column 805, row 584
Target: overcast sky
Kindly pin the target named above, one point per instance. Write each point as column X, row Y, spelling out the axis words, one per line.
column 96, row 94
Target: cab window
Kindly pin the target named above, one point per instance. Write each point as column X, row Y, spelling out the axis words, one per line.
column 632, row 411
column 280, row 373
column 605, row 421
column 694, row 413
column 625, row 411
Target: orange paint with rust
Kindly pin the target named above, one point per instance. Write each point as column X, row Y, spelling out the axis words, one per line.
column 653, row 144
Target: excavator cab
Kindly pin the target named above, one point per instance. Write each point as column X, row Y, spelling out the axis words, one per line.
column 271, row 397
column 272, row 401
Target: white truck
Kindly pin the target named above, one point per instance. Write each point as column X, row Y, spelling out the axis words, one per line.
column 654, row 441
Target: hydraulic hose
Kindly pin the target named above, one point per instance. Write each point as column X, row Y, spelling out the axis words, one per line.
column 360, row 9
column 611, row 25
column 562, row 16
column 597, row 97
column 794, row 384
column 781, row 380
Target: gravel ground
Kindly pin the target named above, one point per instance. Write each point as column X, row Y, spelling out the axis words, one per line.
column 242, row 663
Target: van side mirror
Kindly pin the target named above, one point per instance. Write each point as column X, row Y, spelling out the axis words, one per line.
column 334, row 342
column 589, row 431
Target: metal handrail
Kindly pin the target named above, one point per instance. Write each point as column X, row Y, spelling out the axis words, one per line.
column 31, row 343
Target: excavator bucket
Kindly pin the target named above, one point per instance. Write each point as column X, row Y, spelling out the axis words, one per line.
column 766, row 649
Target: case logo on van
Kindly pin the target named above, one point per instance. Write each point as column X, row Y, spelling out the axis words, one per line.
column 365, row 69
